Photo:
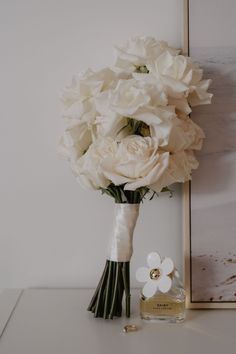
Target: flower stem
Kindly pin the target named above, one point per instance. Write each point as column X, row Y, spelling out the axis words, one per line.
column 126, row 280
column 115, row 292
column 107, row 299
column 108, row 290
column 99, row 303
column 94, row 298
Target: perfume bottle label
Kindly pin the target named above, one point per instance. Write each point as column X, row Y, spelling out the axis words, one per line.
column 155, row 307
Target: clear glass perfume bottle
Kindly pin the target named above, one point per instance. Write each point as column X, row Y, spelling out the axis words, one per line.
column 169, row 307
column 163, row 295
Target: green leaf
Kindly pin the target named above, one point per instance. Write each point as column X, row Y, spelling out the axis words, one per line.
column 167, row 189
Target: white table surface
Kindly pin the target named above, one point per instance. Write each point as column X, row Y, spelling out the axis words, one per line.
column 47, row 321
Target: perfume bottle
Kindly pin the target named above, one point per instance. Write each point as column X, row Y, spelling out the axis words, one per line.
column 163, row 296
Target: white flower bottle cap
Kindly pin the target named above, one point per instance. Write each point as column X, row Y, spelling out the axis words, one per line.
column 158, row 274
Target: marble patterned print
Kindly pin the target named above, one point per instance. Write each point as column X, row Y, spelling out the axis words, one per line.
column 213, row 205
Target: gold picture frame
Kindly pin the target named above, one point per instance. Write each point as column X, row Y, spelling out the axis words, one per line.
column 188, row 269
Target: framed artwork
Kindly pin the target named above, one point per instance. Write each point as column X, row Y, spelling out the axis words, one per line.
column 210, row 198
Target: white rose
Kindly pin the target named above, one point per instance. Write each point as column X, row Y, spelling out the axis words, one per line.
column 88, row 168
column 159, row 120
column 88, row 84
column 71, row 93
column 80, row 110
column 139, row 51
column 131, row 95
column 179, row 170
column 154, row 90
column 162, row 70
column 108, row 122
column 184, row 135
column 75, row 141
column 128, row 97
column 137, row 163
column 79, row 97
column 181, row 105
column 80, row 129
column 181, row 79
column 198, row 94
column 174, row 91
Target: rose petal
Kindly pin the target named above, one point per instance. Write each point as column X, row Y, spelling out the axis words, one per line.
column 164, row 283
column 179, row 170
column 150, row 288
column 142, row 274
column 153, row 260
column 153, row 176
column 176, row 274
column 167, row 266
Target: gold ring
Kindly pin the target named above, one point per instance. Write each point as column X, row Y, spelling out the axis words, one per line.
column 130, row 328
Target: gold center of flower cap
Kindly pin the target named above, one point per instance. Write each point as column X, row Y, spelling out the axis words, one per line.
column 155, row 273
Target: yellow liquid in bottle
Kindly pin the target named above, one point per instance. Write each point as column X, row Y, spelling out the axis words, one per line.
column 162, row 307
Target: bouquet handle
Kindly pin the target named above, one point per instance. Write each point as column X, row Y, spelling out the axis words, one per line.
column 115, row 280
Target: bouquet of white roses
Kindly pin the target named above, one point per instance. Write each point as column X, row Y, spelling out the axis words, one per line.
column 128, row 132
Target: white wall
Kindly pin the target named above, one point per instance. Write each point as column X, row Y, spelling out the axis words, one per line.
column 53, row 233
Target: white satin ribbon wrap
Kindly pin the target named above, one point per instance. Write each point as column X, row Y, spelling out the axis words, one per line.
column 121, row 243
